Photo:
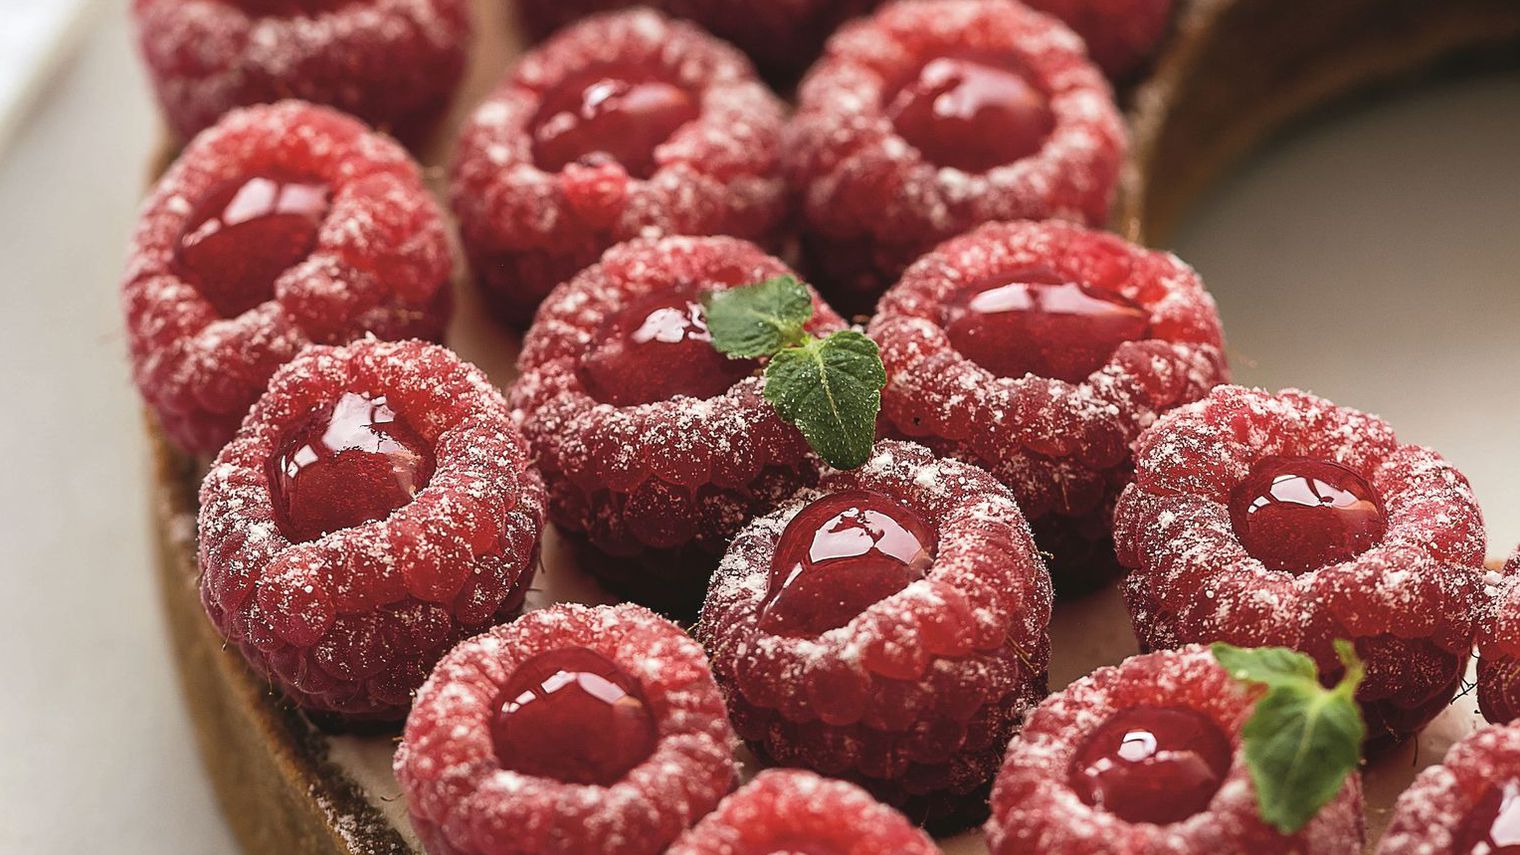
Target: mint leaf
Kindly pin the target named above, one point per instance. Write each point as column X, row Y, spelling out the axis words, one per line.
column 831, row 390
column 760, row 319
column 1302, row 739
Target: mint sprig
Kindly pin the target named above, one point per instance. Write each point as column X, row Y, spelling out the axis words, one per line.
column 830, row 387
column 1303, row 739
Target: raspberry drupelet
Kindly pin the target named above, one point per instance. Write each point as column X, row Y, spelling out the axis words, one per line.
column 572, row 729
column 1147, row 756
column 1039, row 351
column 1261, row 519
column 1499, row 648
column 933, row 117
column 376, row 507
column 1467, row 805
column 792, row 811
column 392, row 63
column 1121, row 35
column 655, row 447
column 625, row 125
column 282, row 226
column 889, row 626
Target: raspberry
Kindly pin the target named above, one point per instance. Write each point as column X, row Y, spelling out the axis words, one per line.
column 1076, row 781
column 1262, row 519
column 1039, row 351
column 1469, row 804
column 1120, row 34
column 932, row 117
column 572, row 729
column 282, row 226
column 1499, row 648
column 375, row 508
column 626, row 125
column 655, row 447
column 781, row 36
column 392, row 63
column 889, row 627
column 792, row 811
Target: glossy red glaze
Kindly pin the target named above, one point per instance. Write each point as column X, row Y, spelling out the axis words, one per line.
column 622, row 113
column 1152, row 764
column 839, row 555
column 349, row 463
column 244, row 234
column 1039, row 322
column 1299, row 514
column 1492, row 827
column 575, row 716
column 971, row 114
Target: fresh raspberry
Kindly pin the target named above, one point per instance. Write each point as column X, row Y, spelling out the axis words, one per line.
column 626, row 125
column 283, row 225
column 375, row 508
column 932, row 117
column 656, row 448
column 393, row 63
column 1499, row 648
column 782, row 36
column 1468, row 805
column 1040, row 351
column 1120, row 34
column 572, row 729
column 889, row 627
column 1067, row 787
column 1262, row 519
column 792, row 811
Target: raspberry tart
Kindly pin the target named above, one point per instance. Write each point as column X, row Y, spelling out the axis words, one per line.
column 282, row 226
column 1039, row 351
column 1286, row 520
column 889, row 626
column 375, row 508
column 933, row 117
column 655, row 447
column 792, row 811
column 1148, row 756
column 392, row 63
column 1121, row 35
column 1467, row 805
column 1499, row 649
column 625, row 125
column 573, row 729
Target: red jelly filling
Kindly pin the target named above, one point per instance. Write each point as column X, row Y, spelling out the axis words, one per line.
column 839, row 555
column 971, row 114
column 349, row 463
column 1152, row 764
column 658, row 347
column 244, row 234
column 1039, row 322
column 575, row 716
column 1492, row 827
column 619, row 113
column 1299, row 514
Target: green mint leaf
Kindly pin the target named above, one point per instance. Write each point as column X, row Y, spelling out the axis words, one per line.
column 760, row 319
column 831, row 390
column 1303, row 739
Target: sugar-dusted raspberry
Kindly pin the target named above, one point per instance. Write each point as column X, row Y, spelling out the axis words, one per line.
column 626, row 125
column 282, row 226
column 1120, row 34
column 1499, row 647
column 792, row 811
column 375, row 508
column 889, row 626
column 933, row 117
column 1040, row 351
column 572, row 729
column 1263, row 519
column 655, row 447
column 1146, row 756
column 392, row 63
column 1468, row 805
